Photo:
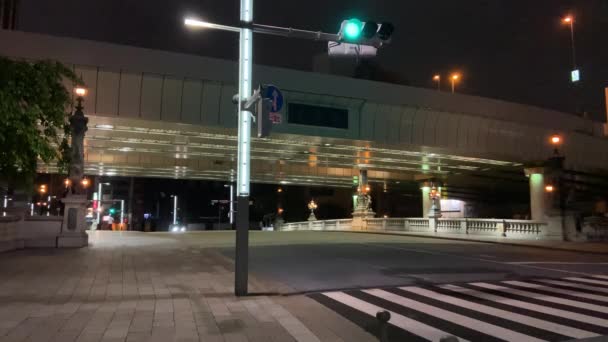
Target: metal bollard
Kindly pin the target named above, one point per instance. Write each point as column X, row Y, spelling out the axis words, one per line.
column 383, row 318
column 449, row 339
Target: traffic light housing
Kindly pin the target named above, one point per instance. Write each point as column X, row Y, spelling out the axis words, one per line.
column 355, row 31
column 263, row 108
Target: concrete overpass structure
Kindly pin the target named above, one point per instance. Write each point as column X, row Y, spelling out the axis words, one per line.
column 162, row 114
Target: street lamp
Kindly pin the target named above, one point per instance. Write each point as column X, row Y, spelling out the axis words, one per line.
column 454, row 78
column 312, row 206
column 569, row 20
column 549, row 188
column 437, row 78
column 556, row 140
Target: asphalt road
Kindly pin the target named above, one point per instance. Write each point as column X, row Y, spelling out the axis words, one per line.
column 322, row 261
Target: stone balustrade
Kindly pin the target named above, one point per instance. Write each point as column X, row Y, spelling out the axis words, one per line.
column 514, row 229
column 22, row 231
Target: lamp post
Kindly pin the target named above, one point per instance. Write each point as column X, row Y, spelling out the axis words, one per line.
column 78, row 127
column 454, row 78
column 569, row 20
column 312, row 206
column 437, row 78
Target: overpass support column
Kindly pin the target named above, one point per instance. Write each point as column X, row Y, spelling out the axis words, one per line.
column 536, row 178
column 548, row 195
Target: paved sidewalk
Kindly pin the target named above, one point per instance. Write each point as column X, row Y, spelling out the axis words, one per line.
column 587, row 247
column 150, row 287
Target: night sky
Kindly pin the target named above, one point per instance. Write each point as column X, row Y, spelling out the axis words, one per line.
column 516, row 50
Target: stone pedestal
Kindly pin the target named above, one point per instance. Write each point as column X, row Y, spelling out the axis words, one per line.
column 312, row 216
column 73, row 230
column 362, row 211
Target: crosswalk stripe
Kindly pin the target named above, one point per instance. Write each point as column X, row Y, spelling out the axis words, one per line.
column 551, row 299
column 415, row 327
column 560, row 291
column 591, row 281
column 600, row 276
column 515, row 317
column 575, row 285
column 529, row 306
column 486, row 328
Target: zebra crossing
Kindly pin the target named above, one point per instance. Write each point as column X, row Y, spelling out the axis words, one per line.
column 512, row 310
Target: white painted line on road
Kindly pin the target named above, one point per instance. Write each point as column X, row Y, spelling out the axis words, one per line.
column 488, row 256
column 560, row 291
column 554, row 263
column 407, row 324
column 576, row 285
column 600, row 276
column 515, row 317
column 529, row 306
column 591, row 281
column 543, row 297
column 471, row 323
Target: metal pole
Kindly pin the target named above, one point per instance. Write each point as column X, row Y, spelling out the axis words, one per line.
column 130, row 214
column 244, row 153
column 99, row 203
column 231, row 204
column 174, row 209
column 122, row 211
column 439, row 84
column 572, row 41
column 452, row 86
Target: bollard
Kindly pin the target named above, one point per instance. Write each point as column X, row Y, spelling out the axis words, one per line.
column 449, row 339
column 383, row 318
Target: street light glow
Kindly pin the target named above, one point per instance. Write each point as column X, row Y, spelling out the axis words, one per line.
column 436, row 78
column 80, row 91
column 556, row 140
column 204, row 24
column 455, row 77
column 549, row 188
column 568, row 19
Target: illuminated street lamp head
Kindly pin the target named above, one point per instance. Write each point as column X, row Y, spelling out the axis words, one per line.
column 85, row 182
column 436, row 78
column 67, row 182
column 455, row 77
column 556, row 139
column 549, row 188
column 80, row 91
column 568, row 19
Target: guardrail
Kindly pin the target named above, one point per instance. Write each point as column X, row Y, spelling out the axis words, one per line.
column 521, row 229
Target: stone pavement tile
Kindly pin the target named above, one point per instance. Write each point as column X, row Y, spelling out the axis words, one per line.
column 65, row 337
column 138, row 337
column 90, row 337
column 77, row 322
column 235, row 337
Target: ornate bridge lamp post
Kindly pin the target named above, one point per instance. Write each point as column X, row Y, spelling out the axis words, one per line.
column 74, row 223
column 312, row 206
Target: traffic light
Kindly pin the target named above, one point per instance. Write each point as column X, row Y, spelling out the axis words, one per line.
column 112, row 211
column 370, row 33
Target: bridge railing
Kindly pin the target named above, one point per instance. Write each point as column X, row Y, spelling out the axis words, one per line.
column 519, row 229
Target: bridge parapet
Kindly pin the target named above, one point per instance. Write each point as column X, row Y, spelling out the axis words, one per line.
column 469, row 227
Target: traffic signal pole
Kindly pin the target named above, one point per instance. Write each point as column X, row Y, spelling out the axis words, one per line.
column 241, row 262
column 246, row 30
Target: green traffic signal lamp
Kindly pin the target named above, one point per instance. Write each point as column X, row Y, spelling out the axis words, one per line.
column 352, row 29
column 112, row 211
